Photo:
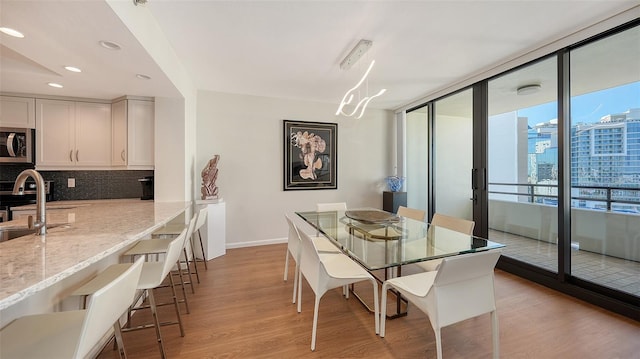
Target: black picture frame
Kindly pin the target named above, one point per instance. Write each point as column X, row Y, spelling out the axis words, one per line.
column 310, row 155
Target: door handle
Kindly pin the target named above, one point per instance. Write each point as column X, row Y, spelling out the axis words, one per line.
column 474, row 178
column 77, row 158
column 10, row 140
column 478, row 179
column 70, row 155
column 122, row 155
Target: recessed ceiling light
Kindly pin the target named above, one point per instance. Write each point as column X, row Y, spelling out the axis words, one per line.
column 143, row 77
column 109, row 45
column 53, row 84
column 72, row 69
column 11, row 32
column 528, row 89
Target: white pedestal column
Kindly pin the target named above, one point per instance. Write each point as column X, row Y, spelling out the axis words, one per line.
column 213, row 232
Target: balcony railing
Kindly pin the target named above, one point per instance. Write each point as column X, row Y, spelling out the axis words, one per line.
column 617, row 199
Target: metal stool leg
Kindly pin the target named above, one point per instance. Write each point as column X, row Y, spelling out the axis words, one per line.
column 204, row 257
column 154, row 312
column 186, row 258
column 195, row 259
column 182, row 284
column 122, row 354
column 175, row 303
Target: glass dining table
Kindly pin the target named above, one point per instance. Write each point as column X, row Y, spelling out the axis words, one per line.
column 380, row 240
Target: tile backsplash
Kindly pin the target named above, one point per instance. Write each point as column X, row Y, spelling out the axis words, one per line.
column 89, row 184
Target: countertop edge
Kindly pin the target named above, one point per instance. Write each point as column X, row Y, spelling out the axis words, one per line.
column 20, row 295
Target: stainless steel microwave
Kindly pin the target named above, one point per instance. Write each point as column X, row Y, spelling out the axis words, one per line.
column 16, row 145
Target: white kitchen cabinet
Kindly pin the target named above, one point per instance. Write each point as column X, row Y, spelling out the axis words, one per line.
column 18, row 112
column 73, row 134
column 133, row 133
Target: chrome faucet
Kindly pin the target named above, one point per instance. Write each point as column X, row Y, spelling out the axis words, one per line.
column 18, row 188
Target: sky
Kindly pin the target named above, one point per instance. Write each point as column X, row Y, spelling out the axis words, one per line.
column 589, row 107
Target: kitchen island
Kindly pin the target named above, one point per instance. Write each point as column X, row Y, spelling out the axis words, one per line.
column 81, row 236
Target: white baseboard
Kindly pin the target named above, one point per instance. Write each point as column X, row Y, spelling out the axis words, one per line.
column 256, row 243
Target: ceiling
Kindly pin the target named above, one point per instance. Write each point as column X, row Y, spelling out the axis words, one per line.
column 282, row 49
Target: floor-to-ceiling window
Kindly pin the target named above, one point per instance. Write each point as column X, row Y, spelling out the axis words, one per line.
column 417, row 157
column 558, row 164
column 522, row 162
column 453, row 154
column 605, row 161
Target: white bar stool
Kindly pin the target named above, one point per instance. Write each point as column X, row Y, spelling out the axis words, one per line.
column 152, row 276
column 73, row 334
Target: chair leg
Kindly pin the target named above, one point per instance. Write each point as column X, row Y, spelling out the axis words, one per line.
column 122, row 354
column 376, row 305
column 156, row 321
column 383, row 310
column 204, row 257
column 315, row 324
column 300, row 293
column 286, row 266
column 438, row 343
column 495, row 333
column 296, row 278
column 175, row 303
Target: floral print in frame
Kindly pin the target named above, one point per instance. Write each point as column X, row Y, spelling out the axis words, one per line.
column 310, row 155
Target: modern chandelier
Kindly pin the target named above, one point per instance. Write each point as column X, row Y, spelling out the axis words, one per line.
column 350, row 95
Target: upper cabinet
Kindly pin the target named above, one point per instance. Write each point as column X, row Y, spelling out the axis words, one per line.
column 73, row 134
column 133, row 133
column 17, row 112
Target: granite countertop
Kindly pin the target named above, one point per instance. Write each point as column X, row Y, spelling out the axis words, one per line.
column 79, row 234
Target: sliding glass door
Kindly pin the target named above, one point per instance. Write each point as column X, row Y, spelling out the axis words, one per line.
column 417, row 157
column 605, row 162
column 552, row 152
column 523, row 163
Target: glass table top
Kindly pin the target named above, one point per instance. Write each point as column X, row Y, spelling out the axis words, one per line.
column 379, row 239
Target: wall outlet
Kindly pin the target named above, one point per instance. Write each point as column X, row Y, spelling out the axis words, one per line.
column 71, row 182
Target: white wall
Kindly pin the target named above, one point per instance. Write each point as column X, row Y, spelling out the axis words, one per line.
column 247, row 133
column 176, row 117
column 170, row 166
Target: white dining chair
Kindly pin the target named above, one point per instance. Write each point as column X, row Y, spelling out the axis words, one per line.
column 455, row 224
column 460, row 289
column 293, row 250
column 416, row 214
column 74, row 333
column 328, row 272
column 412, row 213
column 334, row 206
column 323, row 244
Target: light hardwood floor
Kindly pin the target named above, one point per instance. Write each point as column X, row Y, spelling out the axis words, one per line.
column 243, row 309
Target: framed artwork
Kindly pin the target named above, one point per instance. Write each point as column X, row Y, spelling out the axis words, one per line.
column 310, row 155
